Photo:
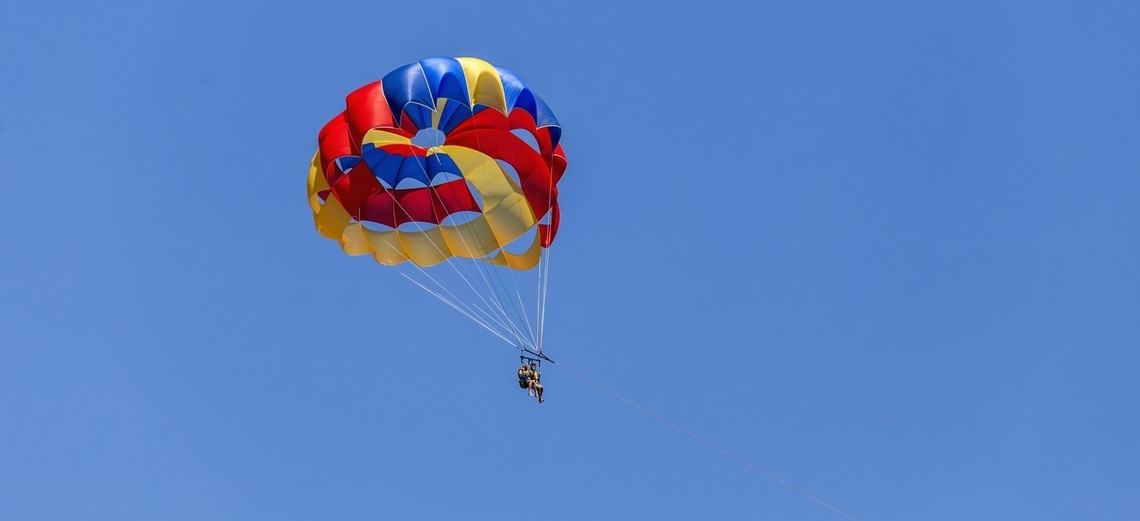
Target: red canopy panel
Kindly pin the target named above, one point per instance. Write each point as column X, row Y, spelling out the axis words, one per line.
column 546, row 232
column 558, row 163
column 334, row 142
column 430, row 204
column 380, row 209
column 453, row 197
column 414, row 206
column 366, row 109
column 486, row 119
column 534, row 174
column 356, row 187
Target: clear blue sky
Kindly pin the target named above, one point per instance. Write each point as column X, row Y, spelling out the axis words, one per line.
column 889, row 253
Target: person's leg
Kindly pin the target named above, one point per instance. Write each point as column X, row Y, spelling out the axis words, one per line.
column 538, row 388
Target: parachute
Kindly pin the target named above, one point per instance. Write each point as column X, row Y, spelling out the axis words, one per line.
column 449, row 166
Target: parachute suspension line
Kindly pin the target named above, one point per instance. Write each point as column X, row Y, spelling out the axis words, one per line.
column 531, row 331
column 544, row 270
column 444, row 288
column 496, row 302
column 538, row 299
column 448, row 302
column 479, row 144
column 539, row 311
column 712, row 445
column 522, row 306
column 452, row 295
column 543, row 284
column 472, row 308
column 513, row 328
column 495, row 270
column 482, row 273
column 526, row 319
column 485, row 270
column 518, row 332
column 545, row 292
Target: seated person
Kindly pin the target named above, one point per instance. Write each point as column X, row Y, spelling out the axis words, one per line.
column 535, row 377
column 524, row 379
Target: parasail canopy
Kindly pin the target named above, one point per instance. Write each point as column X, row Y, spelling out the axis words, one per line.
column 442, row 161
column 460, row 148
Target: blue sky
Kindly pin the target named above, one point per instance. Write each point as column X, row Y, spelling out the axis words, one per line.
column 888, row 253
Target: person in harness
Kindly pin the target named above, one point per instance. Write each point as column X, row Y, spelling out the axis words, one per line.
column 535, row 377
column 530, row 378
column 524, row 379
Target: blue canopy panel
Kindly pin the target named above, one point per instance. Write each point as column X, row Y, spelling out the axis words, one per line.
column 395, row 168
column 441, row 163
column 345, row 163
column 405, row 85
column 520, row 96
column 419, row 115
column 453, row 115
column 445, row 79
column 514, row 87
